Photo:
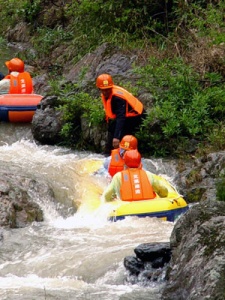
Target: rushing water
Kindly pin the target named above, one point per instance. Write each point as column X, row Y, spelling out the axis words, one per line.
column 75, row 257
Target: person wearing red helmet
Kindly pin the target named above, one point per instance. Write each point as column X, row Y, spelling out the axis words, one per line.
column 134, row 183
column 124, row 112
column 17, row 81
column 115, row 162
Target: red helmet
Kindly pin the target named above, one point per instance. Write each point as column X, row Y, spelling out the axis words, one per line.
column 15, row 64
column 128, row 142
column 132, row 158
column 104, row 81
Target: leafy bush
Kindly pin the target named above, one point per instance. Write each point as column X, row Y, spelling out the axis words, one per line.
column 48, row 39
column 9, row 13
column 205, row 17
column 134, row 17
column 184, row 108
column 76, row 105
column 30, row 10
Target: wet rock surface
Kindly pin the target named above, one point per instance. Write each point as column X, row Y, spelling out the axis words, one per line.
column 149, row 264
column 20, row 198
column 192, row 265
column 47, row 122
column 17, row 208
column 197, row 177
column 197, row 266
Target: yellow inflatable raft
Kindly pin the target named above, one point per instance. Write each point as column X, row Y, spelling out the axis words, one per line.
column 168, row 209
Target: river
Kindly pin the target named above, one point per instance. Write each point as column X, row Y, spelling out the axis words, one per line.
column 79, row 256
column 72, row 256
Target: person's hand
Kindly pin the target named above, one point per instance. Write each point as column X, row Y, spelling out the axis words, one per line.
column 115, row 143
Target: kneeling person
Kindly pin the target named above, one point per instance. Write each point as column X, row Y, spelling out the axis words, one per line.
column 115, row 162
column 17, row 81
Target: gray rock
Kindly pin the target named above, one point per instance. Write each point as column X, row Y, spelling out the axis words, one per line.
column 47, row 122
column 17, row 208
column 149, row 264
column 105, row 59
column 152, row 251
column 197, row 266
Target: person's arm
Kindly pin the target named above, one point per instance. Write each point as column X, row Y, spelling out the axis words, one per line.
column 113, row 189
column 107, row 162
column 109, row 193
column 158, row 186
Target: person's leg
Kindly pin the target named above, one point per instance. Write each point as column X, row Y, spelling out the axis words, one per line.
column 111, row 129
column 108, row 144
column 132, row 125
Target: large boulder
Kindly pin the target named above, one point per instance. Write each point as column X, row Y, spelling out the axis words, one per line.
column 105, row 59
column 17, row 206
column 149, row 264
column 47, row 122
column 197, row 266
column 197, row 177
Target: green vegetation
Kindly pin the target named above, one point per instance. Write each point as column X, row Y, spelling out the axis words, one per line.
column 182, row 53
column 77, row 105
column 185, row 107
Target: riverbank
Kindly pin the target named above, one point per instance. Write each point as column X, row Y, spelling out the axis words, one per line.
column 176, row 68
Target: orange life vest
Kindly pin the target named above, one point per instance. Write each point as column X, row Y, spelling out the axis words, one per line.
column 21, row 84
column 116, row 162
column 133, row 102
column 135, row 186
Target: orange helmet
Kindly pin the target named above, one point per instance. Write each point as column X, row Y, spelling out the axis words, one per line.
column 128, row 142
column 132, row 158
column 15, row 64
column 104, row 81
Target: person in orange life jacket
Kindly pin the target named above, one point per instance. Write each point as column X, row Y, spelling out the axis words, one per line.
column 124, row 112
column 17, row 81
column 115, row 162
column 134, row 183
